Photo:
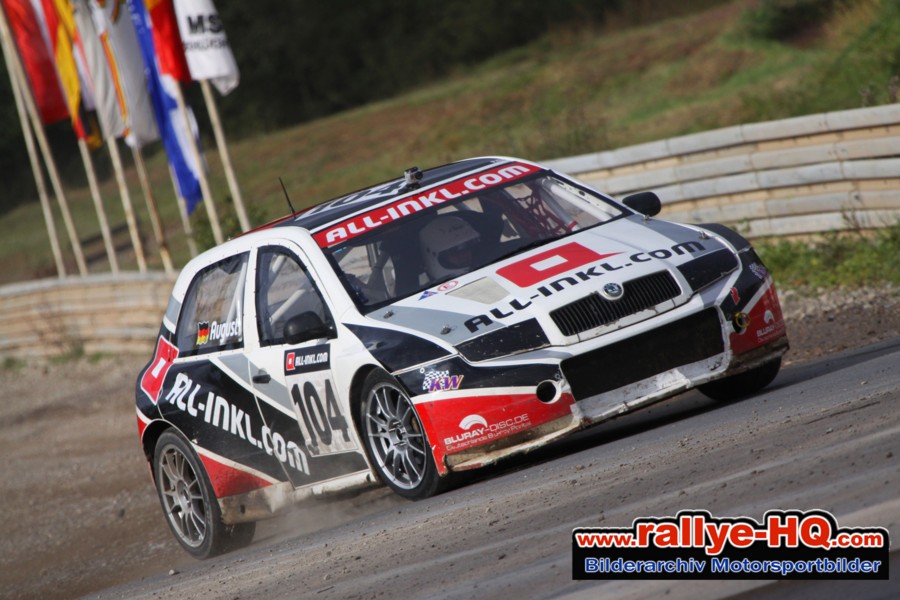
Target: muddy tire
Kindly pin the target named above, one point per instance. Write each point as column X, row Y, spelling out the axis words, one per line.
column 189, row 503
column 394, row 438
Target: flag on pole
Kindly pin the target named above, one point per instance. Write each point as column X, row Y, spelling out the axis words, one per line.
column 205, row 44
column 163, row 88
column 70, row 65
column 167, row 39
column 33, row 43
column 116, row 70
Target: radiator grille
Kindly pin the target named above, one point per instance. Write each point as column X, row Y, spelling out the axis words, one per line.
column 688, row 340
column 594, row 310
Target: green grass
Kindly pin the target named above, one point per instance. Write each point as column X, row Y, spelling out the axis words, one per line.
column 846, row 260
column 12, row 363
column 573, row 91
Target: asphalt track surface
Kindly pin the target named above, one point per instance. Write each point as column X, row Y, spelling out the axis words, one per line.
column 824, row 435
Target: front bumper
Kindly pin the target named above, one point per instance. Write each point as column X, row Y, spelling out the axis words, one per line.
column 608, row 405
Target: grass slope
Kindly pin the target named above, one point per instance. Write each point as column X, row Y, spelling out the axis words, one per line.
column 575, row 90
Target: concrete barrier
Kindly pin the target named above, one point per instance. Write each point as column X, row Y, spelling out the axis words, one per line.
column 799, row 176
column 103, row 313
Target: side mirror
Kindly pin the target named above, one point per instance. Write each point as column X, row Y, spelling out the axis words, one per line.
column 304, row 327
column 645, row 203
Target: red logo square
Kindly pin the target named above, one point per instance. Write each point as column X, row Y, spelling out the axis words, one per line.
column 153, row 378
column 544, row 265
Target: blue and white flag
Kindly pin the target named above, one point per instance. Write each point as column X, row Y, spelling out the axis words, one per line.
column 173, row 128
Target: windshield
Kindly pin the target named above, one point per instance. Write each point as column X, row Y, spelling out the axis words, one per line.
column 446, row 241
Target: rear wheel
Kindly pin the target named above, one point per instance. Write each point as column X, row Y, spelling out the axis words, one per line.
column 395, row 439
column 189, row 503
column 742, row 384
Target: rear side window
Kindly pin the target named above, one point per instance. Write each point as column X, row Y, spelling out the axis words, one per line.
column 212, row 314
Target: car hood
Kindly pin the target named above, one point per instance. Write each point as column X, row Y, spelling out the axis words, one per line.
column 519, row 292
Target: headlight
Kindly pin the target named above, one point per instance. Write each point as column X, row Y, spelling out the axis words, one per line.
column 709, row 268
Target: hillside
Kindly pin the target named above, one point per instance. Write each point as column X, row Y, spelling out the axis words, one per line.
column 572, row 91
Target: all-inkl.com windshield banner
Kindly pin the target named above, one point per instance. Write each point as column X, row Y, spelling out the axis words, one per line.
column 693, row 544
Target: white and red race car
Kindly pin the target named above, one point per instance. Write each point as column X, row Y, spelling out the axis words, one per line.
column 432, row 324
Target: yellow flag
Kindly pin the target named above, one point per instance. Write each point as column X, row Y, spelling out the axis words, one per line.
column 63, row 36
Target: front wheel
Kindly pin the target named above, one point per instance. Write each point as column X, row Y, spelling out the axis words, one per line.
column 395, row 439
column 189, row 502
column 742, row 384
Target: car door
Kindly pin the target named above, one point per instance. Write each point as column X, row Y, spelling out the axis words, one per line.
column 206, row 393
column 295, row 368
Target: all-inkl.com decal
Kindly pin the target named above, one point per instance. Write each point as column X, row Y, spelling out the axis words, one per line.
column 409, row 205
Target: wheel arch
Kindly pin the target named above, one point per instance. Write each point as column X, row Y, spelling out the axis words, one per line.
column 151, row 436
column 356, row 389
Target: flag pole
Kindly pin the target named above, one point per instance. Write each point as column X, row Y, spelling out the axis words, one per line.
column 126, row 203
column 201, row 173
column 182, row 211
column 223, row 153
column 8, row 49
column 155, row 223
column 48, row 156
column 98, row 205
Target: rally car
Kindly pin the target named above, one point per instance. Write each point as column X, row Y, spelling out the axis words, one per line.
column 431, row 324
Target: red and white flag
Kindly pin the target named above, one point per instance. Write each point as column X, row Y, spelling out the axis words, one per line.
column 205, row 44
column 167, row 40
column 33, row 42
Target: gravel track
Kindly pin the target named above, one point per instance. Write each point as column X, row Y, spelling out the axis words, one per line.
column 80, row 513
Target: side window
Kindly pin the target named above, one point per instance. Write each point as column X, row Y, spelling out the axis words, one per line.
column 283, row 290
column 211, row 318
column 370, row 269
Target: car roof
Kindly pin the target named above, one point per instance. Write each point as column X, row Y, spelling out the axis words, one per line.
column 336, row 210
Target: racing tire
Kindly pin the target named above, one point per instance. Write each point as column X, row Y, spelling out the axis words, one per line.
column 189, row 502
column 395, row 440
column 743, row 384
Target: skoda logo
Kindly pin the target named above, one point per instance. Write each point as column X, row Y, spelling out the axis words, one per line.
column 612, row 291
